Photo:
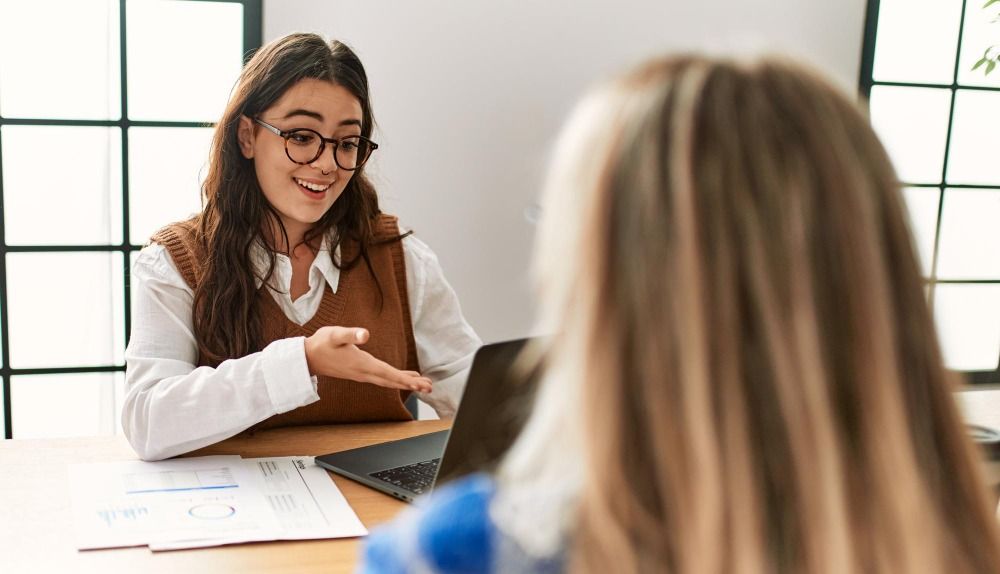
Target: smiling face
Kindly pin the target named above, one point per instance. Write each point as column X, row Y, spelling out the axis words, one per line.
column 301, row 194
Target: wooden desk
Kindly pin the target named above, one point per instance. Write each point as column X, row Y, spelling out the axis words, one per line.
column 36, row 535
column 36, row 532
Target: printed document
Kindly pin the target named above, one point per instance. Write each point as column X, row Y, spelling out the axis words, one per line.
column 206, row 501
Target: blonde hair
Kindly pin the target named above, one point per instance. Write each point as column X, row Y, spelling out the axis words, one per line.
column 746, row 377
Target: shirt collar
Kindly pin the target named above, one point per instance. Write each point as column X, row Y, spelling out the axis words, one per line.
column 323, row 263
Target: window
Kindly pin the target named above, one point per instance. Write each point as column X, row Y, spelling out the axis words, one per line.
column 104, row 132
column 938, row 119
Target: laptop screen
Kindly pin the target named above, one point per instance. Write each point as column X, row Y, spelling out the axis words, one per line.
column 493, row 410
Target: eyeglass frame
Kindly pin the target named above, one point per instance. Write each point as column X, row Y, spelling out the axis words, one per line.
column 285, row 134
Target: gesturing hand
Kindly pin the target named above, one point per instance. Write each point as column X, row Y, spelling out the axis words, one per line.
column 334, row 352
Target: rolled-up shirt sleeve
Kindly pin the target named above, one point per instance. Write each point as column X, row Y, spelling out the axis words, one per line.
column 171, row 406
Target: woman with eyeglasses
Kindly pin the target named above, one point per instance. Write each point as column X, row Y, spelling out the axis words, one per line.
column 290, row 299
column 743, row 375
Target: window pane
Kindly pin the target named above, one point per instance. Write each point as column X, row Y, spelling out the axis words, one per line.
column 119, row 402
column 186, row 80
column 917, row 40
column 913, row 125
column 60, row 59
column 65, row 309
column 166, row 168
column 77, row 204
column 79, row 404
column 922, row 208
column 978, row 33
column 132, row 256
column 968, row 321
column 972, row 156
column 970, row 236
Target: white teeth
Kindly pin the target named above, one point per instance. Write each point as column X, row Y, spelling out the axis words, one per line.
column 312, row 186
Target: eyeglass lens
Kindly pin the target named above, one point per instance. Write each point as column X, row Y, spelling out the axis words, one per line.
column 304, row 146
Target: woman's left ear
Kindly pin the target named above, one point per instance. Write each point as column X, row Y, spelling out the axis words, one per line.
column 244, row 133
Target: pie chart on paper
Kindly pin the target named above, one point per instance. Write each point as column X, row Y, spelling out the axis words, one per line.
column 211, row 511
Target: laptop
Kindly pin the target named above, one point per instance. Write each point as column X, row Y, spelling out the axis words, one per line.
column 493, row 409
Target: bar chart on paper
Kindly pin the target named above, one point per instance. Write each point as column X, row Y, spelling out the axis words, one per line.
column 126, row 513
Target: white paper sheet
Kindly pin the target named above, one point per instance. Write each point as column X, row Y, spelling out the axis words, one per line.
column 206, row 501
column 305, row 501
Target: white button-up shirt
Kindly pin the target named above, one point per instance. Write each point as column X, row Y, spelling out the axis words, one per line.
column 172, row 407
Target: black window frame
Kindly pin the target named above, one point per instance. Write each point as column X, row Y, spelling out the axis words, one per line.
column 866, row 82
column 252, row 39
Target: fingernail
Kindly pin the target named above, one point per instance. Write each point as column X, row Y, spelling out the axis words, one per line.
column 359, row 334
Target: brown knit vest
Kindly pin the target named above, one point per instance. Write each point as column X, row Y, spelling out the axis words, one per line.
column 355, row 304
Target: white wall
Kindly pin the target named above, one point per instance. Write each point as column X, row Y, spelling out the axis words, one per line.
column 469, row 95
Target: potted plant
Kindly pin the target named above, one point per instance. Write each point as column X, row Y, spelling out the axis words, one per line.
column 990, row 56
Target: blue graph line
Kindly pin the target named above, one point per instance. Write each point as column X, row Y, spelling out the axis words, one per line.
column 182, row 489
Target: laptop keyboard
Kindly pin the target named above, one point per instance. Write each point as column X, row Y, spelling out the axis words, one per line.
column 415, row 477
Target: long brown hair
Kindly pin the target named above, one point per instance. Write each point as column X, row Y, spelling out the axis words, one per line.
column 755, row 378
column 236, row 214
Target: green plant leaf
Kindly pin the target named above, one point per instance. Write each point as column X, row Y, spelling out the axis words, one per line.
column 980, row 63
column 989, row 66
column 990, row 3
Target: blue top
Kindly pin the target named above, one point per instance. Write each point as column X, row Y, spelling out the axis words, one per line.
column 450, row 531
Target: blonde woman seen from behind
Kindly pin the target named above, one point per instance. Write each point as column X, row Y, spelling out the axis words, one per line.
column 745, row 375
